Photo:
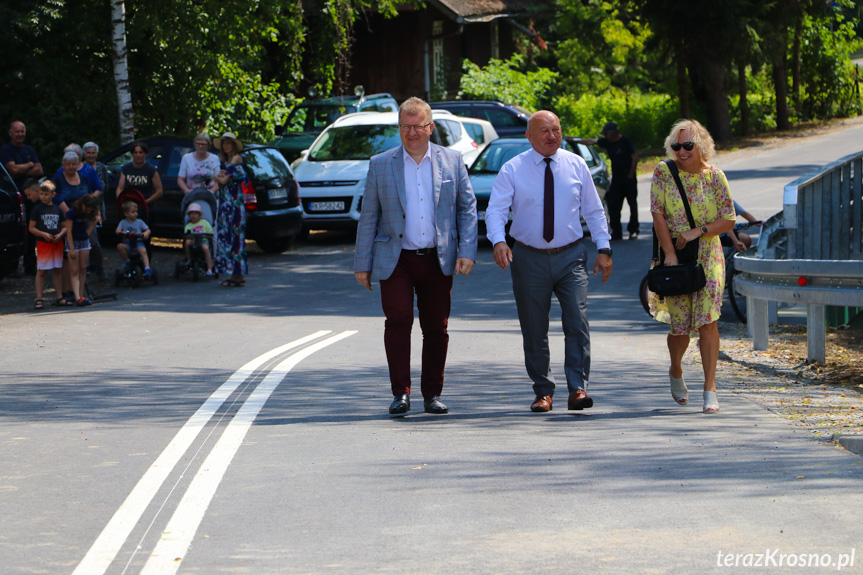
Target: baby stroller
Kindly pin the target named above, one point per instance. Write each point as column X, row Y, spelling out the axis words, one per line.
column 206, row 201
column 133, row 276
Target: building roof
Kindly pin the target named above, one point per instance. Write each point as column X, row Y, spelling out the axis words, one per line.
column 471, row 11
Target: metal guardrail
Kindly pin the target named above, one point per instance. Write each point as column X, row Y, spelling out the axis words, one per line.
column 810, row 253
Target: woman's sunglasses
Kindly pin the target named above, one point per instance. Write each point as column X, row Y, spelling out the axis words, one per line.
column 685, row 145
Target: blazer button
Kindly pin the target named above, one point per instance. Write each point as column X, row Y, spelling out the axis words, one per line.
column 400, row 235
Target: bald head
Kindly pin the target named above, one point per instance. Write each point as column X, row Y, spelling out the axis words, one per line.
column 544, row 133
column 17, row 133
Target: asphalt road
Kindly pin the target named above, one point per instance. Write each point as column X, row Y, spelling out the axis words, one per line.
column 197, row 429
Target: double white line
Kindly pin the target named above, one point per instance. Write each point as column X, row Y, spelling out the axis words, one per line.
column 178, row 535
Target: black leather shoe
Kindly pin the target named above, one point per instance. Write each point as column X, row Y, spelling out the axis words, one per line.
column 434, row 405
column 401, row 404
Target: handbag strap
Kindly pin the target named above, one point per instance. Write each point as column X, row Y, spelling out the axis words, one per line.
column 672, row 167
column 675, row 173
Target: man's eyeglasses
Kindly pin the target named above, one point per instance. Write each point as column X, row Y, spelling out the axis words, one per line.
column 408, row 128
column 685, row 145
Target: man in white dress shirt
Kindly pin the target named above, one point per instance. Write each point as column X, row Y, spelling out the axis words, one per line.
column 548, row 191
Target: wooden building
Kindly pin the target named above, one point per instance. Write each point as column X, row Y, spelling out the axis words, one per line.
column 420, row 52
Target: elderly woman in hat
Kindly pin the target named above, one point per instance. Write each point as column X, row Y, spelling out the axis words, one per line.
column 231, row 216
column 198, row 168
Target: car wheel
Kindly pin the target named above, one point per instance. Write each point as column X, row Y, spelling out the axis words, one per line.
column 274, row 245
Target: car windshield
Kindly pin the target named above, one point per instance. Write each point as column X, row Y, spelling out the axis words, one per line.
column 354, row 142
column 495, row 155
column 314, row 118
column 266, row 162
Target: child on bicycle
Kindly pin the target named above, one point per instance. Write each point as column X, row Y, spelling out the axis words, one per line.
column 132, row 227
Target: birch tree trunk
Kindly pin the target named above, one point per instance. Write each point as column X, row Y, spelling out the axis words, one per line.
column 121, row 72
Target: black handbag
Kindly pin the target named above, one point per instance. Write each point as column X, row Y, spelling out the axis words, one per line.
column 686, row 277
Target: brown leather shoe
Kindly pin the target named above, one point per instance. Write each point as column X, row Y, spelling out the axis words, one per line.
column 579, row 399
column 541, row 403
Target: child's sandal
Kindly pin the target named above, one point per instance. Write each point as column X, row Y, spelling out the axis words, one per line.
column 39, row 304
column 63, row 302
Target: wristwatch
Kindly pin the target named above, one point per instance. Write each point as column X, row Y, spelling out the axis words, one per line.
column 606, row 251
column 703, row 230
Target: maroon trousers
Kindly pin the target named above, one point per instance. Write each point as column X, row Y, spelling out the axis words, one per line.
column 420, row 274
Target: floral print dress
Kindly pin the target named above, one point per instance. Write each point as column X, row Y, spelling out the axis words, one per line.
column 231, row 225
column 709, row 198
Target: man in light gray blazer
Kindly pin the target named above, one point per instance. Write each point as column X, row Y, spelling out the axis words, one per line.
column 417, row 229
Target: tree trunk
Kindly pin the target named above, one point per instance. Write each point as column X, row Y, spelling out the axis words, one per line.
column 744, row 103
column 780, row 81
column 795, row 67
column 682, row 83
column 121, row 72
column 718, row 116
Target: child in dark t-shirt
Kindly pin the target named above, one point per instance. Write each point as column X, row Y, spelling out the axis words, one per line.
column 47, row 224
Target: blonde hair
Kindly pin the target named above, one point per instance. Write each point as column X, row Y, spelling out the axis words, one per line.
column 697, row 134
column 414, row 106
column 128, row 205
column 47, row 186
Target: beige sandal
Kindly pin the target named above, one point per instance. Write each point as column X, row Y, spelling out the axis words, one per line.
column 678, row 389
column 711, row 404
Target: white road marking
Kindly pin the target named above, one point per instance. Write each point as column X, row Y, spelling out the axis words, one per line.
column 181, row 529
column 111, row 540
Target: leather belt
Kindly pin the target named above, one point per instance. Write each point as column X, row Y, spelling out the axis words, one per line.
column 420, row 252
column 550, row 250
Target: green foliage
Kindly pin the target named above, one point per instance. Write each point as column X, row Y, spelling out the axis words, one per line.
column 596, row 45
column 827, row 74
column 240, row 102
column 508, row 81
column 646, row 118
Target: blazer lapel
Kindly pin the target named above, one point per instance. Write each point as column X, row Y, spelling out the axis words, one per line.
column 437, row 169
column 398, row 164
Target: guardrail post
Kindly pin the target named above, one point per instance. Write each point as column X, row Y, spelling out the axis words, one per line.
column 816, row 333
column 759, row 328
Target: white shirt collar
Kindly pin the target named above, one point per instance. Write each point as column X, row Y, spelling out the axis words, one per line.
column 538, row 158
column 406, row 156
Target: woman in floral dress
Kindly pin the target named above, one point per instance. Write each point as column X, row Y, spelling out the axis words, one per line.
column 691, row 147
column 231, row 215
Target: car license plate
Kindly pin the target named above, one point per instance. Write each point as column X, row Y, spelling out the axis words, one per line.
column 277, row 193
column 326, row 206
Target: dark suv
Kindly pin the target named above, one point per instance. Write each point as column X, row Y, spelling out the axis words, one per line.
column 309, row 119
column 273, row 221
column 12, row 224
column 508, row 121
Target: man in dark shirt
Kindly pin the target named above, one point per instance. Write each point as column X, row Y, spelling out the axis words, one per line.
column 21, row 161
column 624, row 186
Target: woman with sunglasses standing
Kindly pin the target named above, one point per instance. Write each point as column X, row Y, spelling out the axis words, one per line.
column 691, row 148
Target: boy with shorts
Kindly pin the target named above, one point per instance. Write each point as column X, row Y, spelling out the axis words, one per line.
column 47, row 224
column 131, row 226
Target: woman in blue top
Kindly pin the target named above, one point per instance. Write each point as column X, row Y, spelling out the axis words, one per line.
column 69, row 182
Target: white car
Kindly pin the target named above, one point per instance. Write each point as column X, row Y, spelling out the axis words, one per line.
column 453, row 134
column 332, row 175
column 482, row 132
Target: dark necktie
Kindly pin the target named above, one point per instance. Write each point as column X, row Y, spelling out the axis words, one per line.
column 548, row 204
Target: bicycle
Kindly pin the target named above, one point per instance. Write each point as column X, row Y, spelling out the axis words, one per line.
column 735, row 298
